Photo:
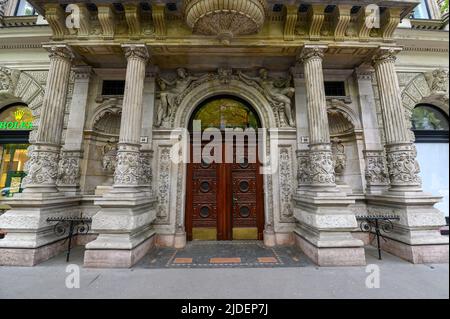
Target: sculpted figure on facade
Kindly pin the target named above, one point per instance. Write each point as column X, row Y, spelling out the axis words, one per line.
column 8, row 80
column 279, row 92
column 109, row 160
column 170, row 93
column 339, row 158
column 438, row 81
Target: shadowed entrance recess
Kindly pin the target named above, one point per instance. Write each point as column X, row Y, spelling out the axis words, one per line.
column 225, row 254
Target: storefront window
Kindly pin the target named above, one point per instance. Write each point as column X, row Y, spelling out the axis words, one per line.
column 15, row 124
column 14, row 157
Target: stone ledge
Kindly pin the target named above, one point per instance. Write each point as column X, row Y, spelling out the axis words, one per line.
column 417, row 254
column 118, row 258
column 329, row 257
column 30, row 257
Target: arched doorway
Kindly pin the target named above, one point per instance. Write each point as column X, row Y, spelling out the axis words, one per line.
column 431, row 130
column 224, row 190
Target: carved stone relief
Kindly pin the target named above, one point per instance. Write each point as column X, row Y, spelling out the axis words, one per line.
column 69, row 168
column 339, row 159
column 376, row 169
column 173, row 91
column 163, row 189
column 286, row 183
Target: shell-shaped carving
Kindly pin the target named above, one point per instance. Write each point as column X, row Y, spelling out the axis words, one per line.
column 225, row 18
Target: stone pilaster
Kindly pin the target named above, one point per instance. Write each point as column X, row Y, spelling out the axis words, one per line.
column 401, row 156
column 42, row 168
column 125, row 220
column 376, row 176
column 72, row 153
column 321, row 164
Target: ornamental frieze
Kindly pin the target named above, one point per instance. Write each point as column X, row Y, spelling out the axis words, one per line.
column 321, row 165
column 403, row 166
column 128, row 170
column 69, row 171
column 376, row 169
column 42, row 167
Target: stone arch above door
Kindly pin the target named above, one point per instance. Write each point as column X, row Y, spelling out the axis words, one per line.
column 23, row 87
column 426, row 88
column 223, row 82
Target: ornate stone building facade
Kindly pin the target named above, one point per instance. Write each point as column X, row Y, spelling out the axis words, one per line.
column 114, row 87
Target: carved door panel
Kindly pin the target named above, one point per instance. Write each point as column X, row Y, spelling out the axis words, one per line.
column 224, row 201
column 204, row 184
column 246, row 193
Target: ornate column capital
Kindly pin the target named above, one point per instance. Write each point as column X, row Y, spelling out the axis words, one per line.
column 136, row 51
column 60, row 51
column 364, row 74
column 312, row 52
column 385, row 54
column 82, row 72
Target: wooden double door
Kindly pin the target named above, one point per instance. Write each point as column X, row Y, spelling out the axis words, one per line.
column 225, row 200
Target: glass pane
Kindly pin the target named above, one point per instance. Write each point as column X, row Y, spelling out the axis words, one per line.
column 421, row 11
column 24, row 9
column 226, row 113
column 16, row 118
column 14, row 157
column 428, row 118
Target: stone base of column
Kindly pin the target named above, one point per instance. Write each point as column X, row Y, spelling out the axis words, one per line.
column 324, row 225
column 330, row 256
column 28, row 257
column 416, row 237
column 118, row 258
column 270, row 239
column 124, row 224
column 180, row 240
column 417, row 254
column 29, row 237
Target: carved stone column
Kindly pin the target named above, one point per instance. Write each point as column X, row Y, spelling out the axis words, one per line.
column 125, row 220
column 401, row 156
column 321, row 210
column 321, row 162
column 128, row 172
column 43, row 164
column 72, row 152
column 30, row 238
column 416, row 236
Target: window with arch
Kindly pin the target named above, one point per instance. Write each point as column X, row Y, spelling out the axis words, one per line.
column 429, row 124
column 225, row 112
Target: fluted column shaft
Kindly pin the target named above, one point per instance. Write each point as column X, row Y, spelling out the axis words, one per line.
column 42, row 168
column 401, row 154
column 129, row 169
column 321, row 167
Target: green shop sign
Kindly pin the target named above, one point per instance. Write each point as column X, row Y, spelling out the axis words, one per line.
column 16, row 118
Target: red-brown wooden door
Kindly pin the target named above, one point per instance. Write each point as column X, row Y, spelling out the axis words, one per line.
column 224, row 200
